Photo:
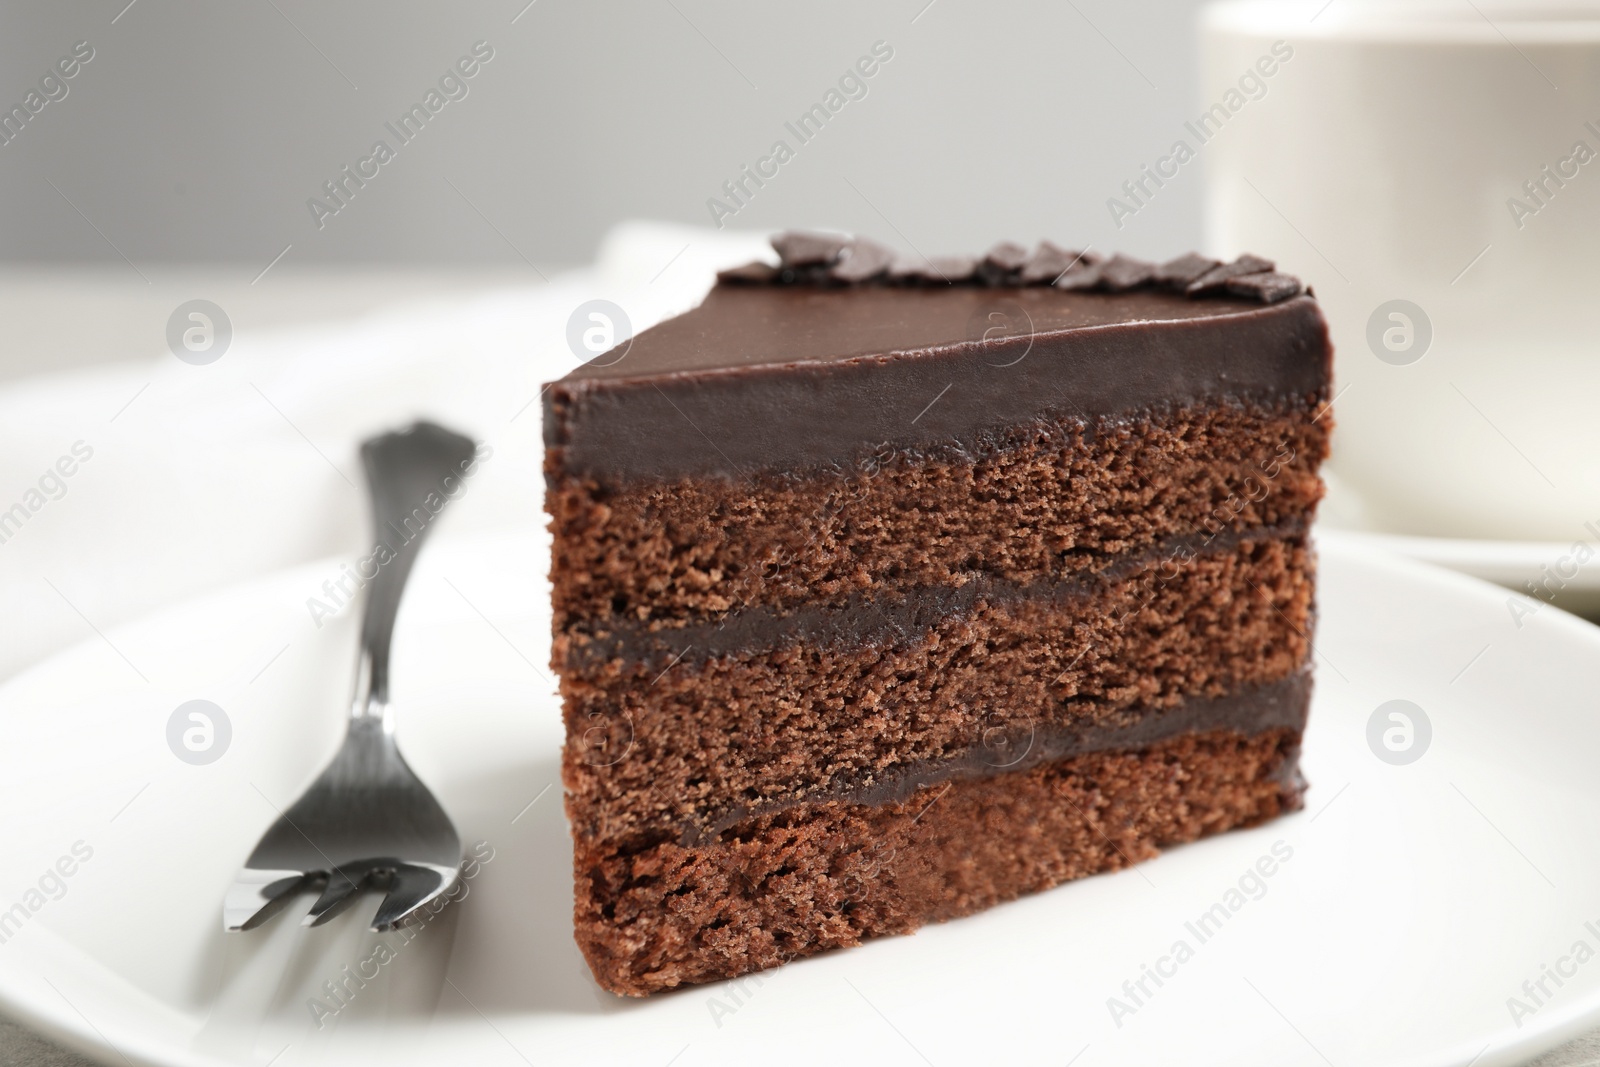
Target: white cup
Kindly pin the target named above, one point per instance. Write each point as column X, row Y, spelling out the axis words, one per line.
column 1418, row 164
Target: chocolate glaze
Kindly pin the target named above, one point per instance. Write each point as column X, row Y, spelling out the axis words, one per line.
column 756, row 628
column 1279, row 705
column 842, row 348
column 785, row 378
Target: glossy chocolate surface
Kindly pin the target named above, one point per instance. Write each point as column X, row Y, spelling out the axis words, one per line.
column 780, row 378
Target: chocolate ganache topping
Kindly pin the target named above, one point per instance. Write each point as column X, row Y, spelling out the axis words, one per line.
column 824, row 259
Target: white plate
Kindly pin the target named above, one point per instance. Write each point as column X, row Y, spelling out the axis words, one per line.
column 1562, row 573
column 1565, row 573
column 1417, row 899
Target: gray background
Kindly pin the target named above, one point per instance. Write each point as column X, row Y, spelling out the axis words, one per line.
column 201, row 127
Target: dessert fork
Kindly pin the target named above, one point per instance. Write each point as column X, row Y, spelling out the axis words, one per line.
column 367, row 821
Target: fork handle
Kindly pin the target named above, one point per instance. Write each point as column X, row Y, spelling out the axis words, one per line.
column 411, row 475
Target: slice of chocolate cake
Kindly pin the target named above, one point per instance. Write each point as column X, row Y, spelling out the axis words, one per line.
column 887, row 591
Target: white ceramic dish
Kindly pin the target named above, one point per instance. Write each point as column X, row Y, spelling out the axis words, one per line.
column 1565, row 574
column 1415, row 901
column 1535, row 573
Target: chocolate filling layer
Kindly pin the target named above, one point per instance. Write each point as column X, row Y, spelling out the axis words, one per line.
column 869, row 621
column 1279, row 705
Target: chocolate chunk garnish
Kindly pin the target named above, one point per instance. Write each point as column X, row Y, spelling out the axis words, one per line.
column 1179, row 273
column 1083, row 276
column 754, row 273
column 800, row 249
column 1216, row 279
column 1006, row 256
column 1001, row 264
column 1120, row 273
column 1048, row 263
column 1268, row 287
column 861, row 259
column 823, row 259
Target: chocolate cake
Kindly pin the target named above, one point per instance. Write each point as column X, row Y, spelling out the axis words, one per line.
column 887, row 590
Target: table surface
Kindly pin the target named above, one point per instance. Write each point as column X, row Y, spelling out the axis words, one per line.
column 116, row 315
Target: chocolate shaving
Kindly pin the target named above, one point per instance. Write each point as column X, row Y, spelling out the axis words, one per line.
column 1006, row 256
column 1084, row 276
column 1216, row 279
column 800, row 249
column 1048, row 263
column 1002, row 263
column 1121, row 273
column 835, row 260
column 1268, row 287
column 862, row 258
column 1179, row 273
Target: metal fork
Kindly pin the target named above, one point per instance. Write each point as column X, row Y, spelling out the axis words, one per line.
column 367, row 821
